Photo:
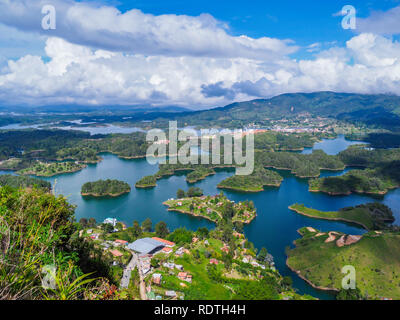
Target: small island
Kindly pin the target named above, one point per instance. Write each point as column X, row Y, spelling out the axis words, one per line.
column 367, row 181
column 49, row 169
column 319, row 257
column 105, row 188
column 214, row 208
column 252, row 183
column 371, row 216
column 147, row 182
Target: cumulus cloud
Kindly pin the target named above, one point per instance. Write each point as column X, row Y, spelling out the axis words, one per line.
column 78, row 74
column 381, row 22
column 105, row 27
column 100, row 56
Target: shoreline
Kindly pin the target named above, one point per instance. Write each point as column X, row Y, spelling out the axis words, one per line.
column 249, row 191
column 330, row 219
column 298, row 273
column 112, row 195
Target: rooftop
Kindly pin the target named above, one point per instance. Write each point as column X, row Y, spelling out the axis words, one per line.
column 146, row 245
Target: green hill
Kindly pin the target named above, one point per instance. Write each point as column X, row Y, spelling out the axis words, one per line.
column 375, row 258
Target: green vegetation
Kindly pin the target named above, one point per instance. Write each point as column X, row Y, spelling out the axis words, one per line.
column 210, row 265
column 302, row 165
column 199, row 174
column 42, row 169
column 101, row 188
column 382, row 173
column 23, row 182
column 214, row 208
column 375, row 258
column 372, row 216
column 254, row 182
column 37, row 233
column 358, row 181
column 146, row 182
column 191, row 193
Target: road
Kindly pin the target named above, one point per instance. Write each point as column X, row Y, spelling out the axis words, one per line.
column 126, row 277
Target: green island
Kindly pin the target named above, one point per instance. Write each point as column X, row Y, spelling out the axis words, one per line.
column 214, row 208
column 371, row 216
column 42, row 169
column 381, row 173
column 146, row 182
column 252, row 183
column 301, row 165
column 319, row 257
column 102, row 188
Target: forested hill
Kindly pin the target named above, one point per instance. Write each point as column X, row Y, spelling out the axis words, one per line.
column 380, row 109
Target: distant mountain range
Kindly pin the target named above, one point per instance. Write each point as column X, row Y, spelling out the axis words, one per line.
column 376, row 110
column 382, row 110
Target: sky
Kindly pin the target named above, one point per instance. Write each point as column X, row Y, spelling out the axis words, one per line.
column 196, row 54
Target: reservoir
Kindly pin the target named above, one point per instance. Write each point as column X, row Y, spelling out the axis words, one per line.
column 275, row 227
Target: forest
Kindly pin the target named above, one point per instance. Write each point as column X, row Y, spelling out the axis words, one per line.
column 252, row 183
column 107, row 187
column 23, row 182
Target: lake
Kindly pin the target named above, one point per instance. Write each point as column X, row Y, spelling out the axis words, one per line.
column 274, row 228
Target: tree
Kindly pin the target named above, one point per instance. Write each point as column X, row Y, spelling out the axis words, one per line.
column 83, row 222
column 108, row 228
column 155, row 262
column 147, row 225
column 202, row 232
column 194, row 192
column 181, row 236
column 239, row 226
column 180, row 194
column 228, row 211
column 287, row 281
column 137, row 230
column 92, row 222
column 262, row 255
column 161, row 229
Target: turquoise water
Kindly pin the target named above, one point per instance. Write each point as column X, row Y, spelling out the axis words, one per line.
column 274, row 228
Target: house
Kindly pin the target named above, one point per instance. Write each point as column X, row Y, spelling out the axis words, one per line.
column 179, row 267
column 146, row 246
column 111, row 221
column 194, row 240
column 120, row 242
column 116, row 253
column 165, row 242
column 171, row 294
column 167, row 250
column 94, row 236
column 184, row 276
column 225, row 248
column 169, row 265
column 157, row 278
column 90, row 231
column 179, row 252
column 214, row 261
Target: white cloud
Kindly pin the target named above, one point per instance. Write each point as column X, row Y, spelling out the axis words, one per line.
column 381, row 22
column 105, row 27
column 77, row 74
column 101, row 56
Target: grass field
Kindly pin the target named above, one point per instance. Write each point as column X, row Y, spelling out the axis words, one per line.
column 376, row 258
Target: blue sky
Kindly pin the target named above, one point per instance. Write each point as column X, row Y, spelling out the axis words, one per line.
column 305, row 21
column 194, row 53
